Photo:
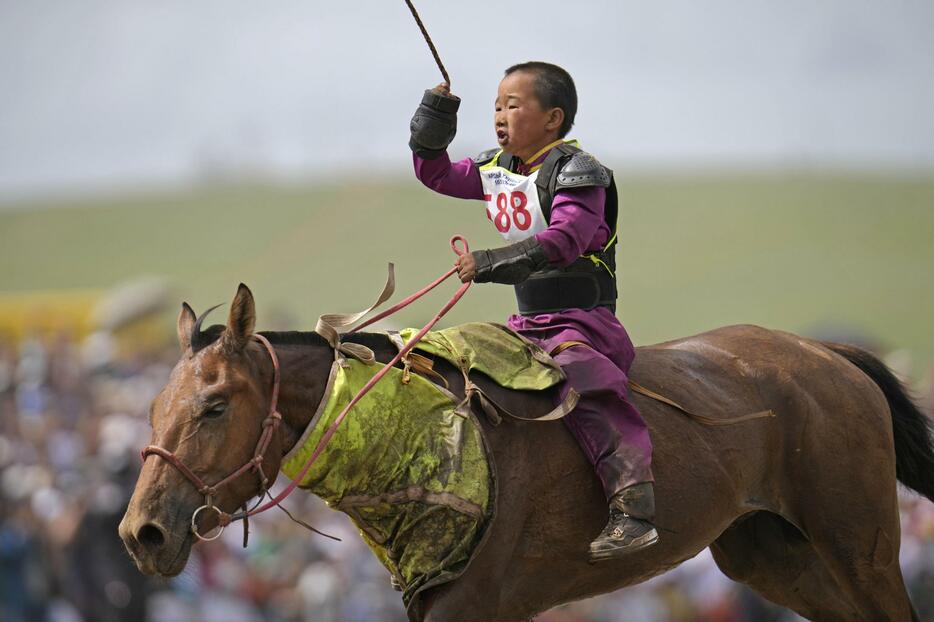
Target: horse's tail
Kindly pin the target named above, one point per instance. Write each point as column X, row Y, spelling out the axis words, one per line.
column 914, row 447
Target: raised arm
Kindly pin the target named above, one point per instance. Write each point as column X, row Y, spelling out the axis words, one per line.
column 459, row 179
column 433, row 127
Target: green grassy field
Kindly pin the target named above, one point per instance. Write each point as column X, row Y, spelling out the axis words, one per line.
column 784, row 251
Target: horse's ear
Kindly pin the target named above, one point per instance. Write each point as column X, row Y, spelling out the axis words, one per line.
column 241, row 321
column 186, row 321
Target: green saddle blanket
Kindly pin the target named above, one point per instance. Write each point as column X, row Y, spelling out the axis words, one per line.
column 495, row 350
column 410, row 473
column 408, row 464
column 507, row 358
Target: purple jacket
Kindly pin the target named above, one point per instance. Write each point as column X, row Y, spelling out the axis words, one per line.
column 576, row 226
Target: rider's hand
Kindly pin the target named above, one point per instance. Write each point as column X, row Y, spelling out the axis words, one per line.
column 435, row 122
column 444, row 89
column 466, row 267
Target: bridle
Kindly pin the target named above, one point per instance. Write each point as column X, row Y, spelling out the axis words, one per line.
column 273, row 419
column 209, row 491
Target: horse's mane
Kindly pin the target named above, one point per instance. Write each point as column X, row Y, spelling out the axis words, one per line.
column 374, row 341
column 201, row 339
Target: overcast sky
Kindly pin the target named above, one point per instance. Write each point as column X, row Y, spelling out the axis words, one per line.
column 99, row 93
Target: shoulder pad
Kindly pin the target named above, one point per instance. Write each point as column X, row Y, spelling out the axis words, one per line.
column 486, row 157
column 581, row 170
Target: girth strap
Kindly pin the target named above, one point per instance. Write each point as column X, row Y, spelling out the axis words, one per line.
column 638, row 388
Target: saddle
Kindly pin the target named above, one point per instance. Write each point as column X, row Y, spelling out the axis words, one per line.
column 513, row 362
column 496, row 351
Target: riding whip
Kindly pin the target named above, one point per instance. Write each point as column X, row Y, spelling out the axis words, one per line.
column 431, row 45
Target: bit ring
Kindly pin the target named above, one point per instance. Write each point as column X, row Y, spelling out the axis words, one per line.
column 194, row 525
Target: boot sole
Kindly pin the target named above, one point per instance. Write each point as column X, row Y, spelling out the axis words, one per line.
column 639, row 544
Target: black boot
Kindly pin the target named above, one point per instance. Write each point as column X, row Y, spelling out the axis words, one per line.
column 629, row 528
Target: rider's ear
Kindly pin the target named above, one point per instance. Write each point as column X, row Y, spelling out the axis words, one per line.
column 186, row 321
column 241, row 320
column 555, row 119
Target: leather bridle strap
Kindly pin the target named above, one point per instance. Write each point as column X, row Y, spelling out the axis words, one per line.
column 271, row 423
column 270, row 426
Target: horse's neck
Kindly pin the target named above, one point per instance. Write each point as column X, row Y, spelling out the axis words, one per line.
column 304, row 371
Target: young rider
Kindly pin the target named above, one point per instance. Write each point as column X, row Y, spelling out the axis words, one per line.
column 556, row 206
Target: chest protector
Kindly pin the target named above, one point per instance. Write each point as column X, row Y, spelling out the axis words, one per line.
column 519, row 206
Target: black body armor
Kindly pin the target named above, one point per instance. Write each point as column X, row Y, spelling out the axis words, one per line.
column 591, row 280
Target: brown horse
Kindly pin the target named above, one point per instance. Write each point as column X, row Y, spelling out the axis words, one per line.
column 801, row 506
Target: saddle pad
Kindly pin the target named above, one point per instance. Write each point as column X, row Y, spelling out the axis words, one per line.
column 412, row 475
column 493, row 349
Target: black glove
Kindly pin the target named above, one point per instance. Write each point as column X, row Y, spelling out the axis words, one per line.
column 434, row 124
column 510, row 264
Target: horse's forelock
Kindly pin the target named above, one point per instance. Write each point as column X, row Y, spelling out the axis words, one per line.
column 201, row 339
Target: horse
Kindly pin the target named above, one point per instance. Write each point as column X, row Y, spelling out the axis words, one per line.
column 801, row 507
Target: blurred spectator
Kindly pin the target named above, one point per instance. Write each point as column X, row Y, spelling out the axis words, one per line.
column 72, row 421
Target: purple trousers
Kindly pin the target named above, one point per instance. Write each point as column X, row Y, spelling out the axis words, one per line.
column 605, row 423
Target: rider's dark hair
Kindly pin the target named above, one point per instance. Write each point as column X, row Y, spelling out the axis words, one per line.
column 554, row 88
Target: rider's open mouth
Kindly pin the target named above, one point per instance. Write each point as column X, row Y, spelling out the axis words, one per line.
column 501, row 136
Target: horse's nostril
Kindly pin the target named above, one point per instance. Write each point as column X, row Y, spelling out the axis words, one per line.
column 150, row 536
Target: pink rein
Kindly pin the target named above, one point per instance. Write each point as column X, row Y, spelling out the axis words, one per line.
column 377, row 377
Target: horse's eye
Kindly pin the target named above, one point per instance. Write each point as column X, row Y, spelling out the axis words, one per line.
column 215, row 411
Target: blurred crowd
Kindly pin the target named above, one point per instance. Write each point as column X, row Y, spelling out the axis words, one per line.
column 73, row 417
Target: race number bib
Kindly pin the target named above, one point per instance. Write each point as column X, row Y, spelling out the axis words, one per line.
column 512, row 203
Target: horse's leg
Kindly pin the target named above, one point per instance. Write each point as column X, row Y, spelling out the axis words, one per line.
column 851, row 518
column 463, row 604
column 865, row 563
column 767, row 553
column 837, row 574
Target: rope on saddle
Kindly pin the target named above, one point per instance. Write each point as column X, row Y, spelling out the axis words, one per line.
column 638, row 388
column 431, row 45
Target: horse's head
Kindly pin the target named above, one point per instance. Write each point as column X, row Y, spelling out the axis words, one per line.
column 210, row 417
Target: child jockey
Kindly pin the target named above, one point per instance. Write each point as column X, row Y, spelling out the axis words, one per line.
column 556, row 206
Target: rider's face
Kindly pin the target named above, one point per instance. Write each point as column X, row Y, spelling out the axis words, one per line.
column 522, row 126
